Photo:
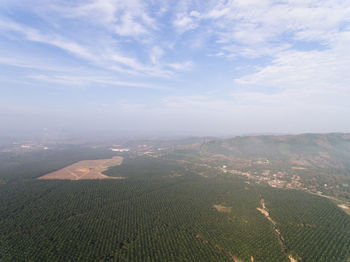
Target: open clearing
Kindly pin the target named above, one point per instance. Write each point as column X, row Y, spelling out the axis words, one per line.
column 86, row 169
column 222, row 208
column 345, row 208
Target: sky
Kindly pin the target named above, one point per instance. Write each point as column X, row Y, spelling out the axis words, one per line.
column 175, row 67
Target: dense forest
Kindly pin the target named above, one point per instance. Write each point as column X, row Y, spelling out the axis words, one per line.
column 166, row 209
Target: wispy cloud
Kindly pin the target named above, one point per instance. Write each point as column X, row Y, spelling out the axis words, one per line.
column 184, row 22
column 30, row 63
column 318, row 70
column 263, row 24
column 126, row 19
column 89, row 81
column 258, row 55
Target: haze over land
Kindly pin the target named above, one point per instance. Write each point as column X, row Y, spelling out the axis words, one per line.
column 175, row 130
column 184, row 68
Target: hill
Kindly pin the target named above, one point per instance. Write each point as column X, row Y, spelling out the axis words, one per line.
column 322, row 161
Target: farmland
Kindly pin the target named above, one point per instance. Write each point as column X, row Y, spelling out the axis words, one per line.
column 86, row 169
column 180, row 204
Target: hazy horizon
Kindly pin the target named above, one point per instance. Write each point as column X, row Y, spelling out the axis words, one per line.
column 137, row 68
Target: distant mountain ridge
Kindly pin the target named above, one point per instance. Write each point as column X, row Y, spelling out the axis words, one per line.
column 305, row 150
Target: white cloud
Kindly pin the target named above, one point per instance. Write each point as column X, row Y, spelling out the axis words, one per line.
column 195, row 14
column 185, row 66
column 51, row 39
column 305, row 43
column 112, row 21
column 264, row 24
column 99, row 11
column 184, row 23
column 322, row 70
column 85, row 80
column 101, row 56
column 128, row 26
column 32, row 63
column 126, row 18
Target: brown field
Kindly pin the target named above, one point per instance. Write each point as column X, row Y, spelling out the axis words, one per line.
column 86, row 169
column 345, row 208
column 222, row 208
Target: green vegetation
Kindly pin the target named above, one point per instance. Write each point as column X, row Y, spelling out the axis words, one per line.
column 165, row 210
column 321, row 160
column 18, row 166
column 153, row 218
column 313, row 227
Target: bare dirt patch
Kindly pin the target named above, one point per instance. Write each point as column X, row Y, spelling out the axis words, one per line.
column 263, row 211
column 86, row 169
column 298, row 168
column 202, row 175
column 292, row 259
column 222, row 209
column 345, row 208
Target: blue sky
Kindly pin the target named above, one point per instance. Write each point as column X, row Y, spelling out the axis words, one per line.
column 176, row 67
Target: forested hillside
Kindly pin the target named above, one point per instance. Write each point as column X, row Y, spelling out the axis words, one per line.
column 311, row 150
column 316, row 162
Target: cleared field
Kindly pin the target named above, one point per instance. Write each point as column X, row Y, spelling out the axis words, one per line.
column 345, row 208
column 222, row 208
column 86, row 169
